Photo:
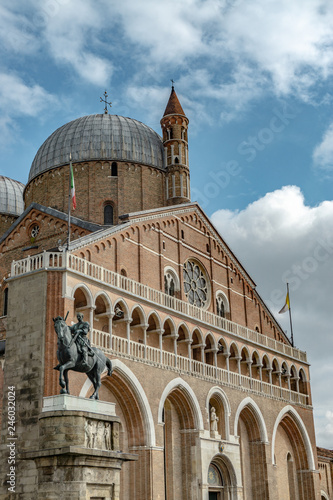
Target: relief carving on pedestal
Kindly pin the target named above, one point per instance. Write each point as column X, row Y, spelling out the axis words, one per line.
column 98, row 435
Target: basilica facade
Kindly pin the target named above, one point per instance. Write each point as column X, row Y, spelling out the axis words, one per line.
column 211, row 401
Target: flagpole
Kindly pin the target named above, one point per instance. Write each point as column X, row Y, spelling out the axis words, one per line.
column 291, row 324
column 69, row 202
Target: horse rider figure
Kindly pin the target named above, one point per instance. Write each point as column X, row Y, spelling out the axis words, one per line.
column 79, row 332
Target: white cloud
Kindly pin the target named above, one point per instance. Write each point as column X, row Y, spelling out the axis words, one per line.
column 16, row 33
column 323, row 153
column 244, row 47
column 279, row 238
column 19, row 98
column 70, row 29
column 285, row 39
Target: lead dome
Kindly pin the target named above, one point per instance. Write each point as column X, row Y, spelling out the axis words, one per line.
column 11, row 196
column 96, row 137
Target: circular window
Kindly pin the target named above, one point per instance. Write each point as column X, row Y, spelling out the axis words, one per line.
column 34, row 231
column 195, row 284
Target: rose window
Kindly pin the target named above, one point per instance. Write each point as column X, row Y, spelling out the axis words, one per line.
column 195, row 284
column 34, row 231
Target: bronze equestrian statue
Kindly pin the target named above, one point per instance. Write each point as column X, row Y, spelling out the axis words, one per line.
column 75, row 353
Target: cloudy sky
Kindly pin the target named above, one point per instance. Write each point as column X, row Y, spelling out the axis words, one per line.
column 254, row 78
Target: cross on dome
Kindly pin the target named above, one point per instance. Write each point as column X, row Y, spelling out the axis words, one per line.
column 106, row 103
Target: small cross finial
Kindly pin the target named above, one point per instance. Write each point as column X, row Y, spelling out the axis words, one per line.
column 172, row 84
column 106, row 103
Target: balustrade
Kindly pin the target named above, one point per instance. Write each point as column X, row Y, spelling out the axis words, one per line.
column 59, row 261
column 122, row 347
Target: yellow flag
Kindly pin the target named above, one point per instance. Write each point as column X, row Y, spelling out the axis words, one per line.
column 286, row 307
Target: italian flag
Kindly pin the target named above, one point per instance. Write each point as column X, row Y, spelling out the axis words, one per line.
column 72, row 187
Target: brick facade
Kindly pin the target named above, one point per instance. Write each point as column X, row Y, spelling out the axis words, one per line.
column 138, row 283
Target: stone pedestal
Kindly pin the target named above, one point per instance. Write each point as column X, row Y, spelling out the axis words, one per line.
column 78, row 456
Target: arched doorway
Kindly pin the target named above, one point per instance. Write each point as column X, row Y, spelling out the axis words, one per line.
column 221, row 479
column 216, row 483
column 180, row 415
column 252, row 433
column 293, row 457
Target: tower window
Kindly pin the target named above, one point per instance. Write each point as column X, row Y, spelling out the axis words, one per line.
column 5, row 302
column 114, row 169
column 182, row 233
column 176, row 159
column 108, row 215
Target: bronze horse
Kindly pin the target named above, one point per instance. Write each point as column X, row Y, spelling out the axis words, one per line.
column 70, row 359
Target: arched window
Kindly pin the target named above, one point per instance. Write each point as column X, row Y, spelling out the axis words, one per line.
column 114, row 169
column 169, row 284
column 171, row 281
column 222, row 305
column 215, row 482
column 108, row 215
column 5, row 302
column 291, row 477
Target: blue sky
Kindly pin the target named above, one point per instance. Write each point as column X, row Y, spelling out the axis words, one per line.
column 255, row 80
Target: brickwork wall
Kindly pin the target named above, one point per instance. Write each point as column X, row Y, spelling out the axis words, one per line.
column 1, row 389
column 24, row 371
column 5, row 222
column 136, row 187
column 140, row 249
column 19, row 244
column 325, row 463
column 153, row 381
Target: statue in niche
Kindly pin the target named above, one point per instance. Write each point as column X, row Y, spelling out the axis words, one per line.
column 100, row 435
column 213, row 419
column 80, row 358
column 90, row 433
column 107, row 436
column 115, row 438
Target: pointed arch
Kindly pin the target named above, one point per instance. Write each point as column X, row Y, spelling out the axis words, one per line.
column 180, row 384
column 220, row 395
column 185, row 329
column 131, row 380
column 290, row 412
column 137, row 308
column 154, row 316
column 197, row 331
column 105, row 296
column 170, row 323
column 227, row 470
column 86, row 292
column 255, row 410
column 123, row 305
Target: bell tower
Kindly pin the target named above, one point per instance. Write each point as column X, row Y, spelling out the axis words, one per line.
column 174, row 131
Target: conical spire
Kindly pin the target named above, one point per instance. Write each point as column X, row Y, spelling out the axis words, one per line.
column 173, row 107
column 174, row 125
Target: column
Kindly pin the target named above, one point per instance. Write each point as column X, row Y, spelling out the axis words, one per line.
column 227, row 355
column 160, row 341
column 145, row 328
column 128, row 333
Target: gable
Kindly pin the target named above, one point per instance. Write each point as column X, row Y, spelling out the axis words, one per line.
column 151, row 243
column 37, row 229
